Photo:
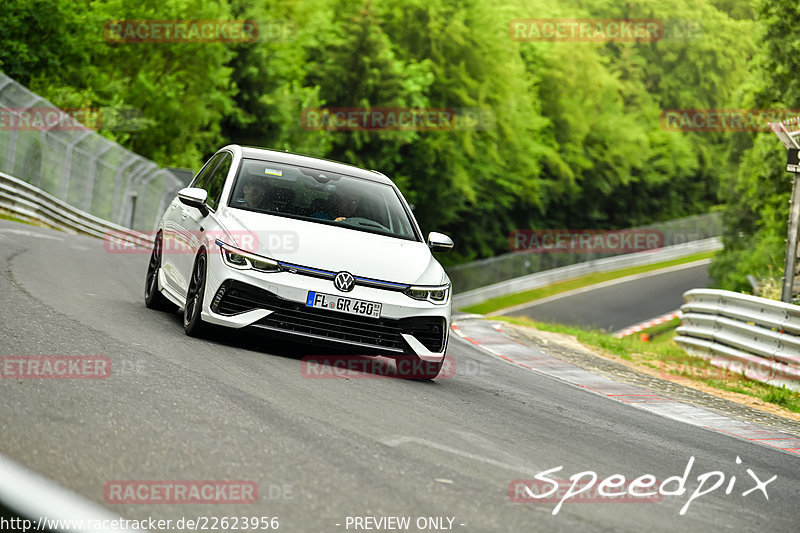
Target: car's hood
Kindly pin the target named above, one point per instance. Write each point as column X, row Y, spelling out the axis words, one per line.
column 332, row 248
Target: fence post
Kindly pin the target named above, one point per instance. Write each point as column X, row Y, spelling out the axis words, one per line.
column 789, row 266
column 788, row 137
column 68, row 163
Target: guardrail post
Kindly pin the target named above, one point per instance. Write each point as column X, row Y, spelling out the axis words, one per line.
column 133, row 177
column 118, row 201
column 133, row 197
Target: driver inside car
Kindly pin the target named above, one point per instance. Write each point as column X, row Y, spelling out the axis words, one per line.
column 336, row 207
column 345, row 207
column 254, row 192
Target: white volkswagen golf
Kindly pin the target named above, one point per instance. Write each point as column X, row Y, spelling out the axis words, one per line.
column 318, row 250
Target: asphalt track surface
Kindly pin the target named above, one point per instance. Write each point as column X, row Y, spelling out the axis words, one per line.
column 615, row 307
column 237, row 407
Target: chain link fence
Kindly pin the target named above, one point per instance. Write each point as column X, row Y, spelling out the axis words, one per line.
column 49, row 149
column 486, row 272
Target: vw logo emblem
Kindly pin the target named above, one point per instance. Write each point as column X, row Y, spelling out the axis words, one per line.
column 344, row 281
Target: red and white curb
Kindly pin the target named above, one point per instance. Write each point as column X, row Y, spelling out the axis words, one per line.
column 636, row 328
column 489, row 337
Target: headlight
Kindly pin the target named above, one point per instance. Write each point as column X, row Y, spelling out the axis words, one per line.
column 235, row 260
column 437, row 295
column 239, row 259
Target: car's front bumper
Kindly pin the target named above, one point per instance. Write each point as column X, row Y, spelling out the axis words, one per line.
column 276, row 302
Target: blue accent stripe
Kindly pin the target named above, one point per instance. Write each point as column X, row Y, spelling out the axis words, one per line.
column 329, row 274
column 307, row 269
column 384, row 283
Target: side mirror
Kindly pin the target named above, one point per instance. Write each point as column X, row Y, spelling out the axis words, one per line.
column 194, row 197
column 439, row 242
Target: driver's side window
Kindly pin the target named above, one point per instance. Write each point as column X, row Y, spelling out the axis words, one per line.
column 216, row 180
column 212, row 177
column 201, row 180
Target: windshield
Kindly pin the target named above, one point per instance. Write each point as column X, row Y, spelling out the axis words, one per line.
column 320, row 196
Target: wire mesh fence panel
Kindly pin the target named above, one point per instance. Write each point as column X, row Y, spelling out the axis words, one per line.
column 28, row 147
column 52, row 173
column 102, row 191
column 55, row 151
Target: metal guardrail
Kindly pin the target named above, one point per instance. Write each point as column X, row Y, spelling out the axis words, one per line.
column 745, row 334
column 540, row 279
column 28, row 202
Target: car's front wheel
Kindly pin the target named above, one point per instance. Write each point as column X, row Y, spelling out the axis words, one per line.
column 192, row 322
column 153, row 298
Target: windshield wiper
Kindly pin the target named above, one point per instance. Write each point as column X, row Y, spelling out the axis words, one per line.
column 371, row 224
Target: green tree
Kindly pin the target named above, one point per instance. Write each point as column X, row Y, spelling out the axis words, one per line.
column 757, row 196
column 270, row 76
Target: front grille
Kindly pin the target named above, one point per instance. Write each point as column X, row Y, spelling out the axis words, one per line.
column 427, row 330
column 234, row 297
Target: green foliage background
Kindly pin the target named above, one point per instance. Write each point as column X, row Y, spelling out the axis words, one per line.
column 575, row 141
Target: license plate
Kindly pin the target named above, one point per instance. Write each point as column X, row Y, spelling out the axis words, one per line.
column 343, row 304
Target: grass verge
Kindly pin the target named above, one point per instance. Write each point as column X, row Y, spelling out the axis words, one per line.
column 6, row 215
column 12, row 218
column 661, row 333
column 671, row 362
column 509, row 300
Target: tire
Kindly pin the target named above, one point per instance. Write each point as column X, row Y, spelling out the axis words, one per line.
column 153, row 299
column 193, row 324
column 412, row 367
